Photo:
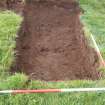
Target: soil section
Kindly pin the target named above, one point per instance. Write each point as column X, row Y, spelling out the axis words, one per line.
column 51, row 44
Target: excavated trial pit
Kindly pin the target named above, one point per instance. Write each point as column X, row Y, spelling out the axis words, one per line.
column 51, row 44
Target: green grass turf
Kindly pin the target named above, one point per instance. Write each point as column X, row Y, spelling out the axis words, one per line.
column 9, row 24
column 93, row 20
column 19, row 81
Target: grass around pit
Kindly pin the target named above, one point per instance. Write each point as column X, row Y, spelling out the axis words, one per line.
column 9, row 24
column 93, row 20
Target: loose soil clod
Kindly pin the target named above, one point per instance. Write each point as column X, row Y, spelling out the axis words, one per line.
column 51, row 43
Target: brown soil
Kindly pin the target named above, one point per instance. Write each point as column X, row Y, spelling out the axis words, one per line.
column 15, row 5
column 51, row 43
column 3, row 4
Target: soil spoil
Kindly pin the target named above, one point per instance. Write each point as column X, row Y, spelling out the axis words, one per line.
column 51, row 44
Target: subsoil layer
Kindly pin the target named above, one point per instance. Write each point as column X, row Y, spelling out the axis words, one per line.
column 51, row 44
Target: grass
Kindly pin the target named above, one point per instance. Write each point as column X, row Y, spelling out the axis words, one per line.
column 52, row 98
column 9, row 23
column 19, row 81
column 93, row 20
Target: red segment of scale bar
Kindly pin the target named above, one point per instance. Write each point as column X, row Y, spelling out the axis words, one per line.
column 36, row 91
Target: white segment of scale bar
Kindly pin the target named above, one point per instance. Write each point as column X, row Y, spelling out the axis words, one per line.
column 83, row 90
column 6, row 91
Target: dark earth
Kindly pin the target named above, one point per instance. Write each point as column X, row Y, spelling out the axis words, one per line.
column 51, row 44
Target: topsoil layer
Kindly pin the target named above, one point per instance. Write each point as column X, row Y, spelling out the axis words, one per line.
column 51, row 43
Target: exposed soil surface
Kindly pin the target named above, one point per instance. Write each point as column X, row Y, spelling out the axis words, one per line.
column 51, row 44
column 15, row 5
column 3, row 4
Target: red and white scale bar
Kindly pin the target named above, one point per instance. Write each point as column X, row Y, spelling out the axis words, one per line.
column 52, row 90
